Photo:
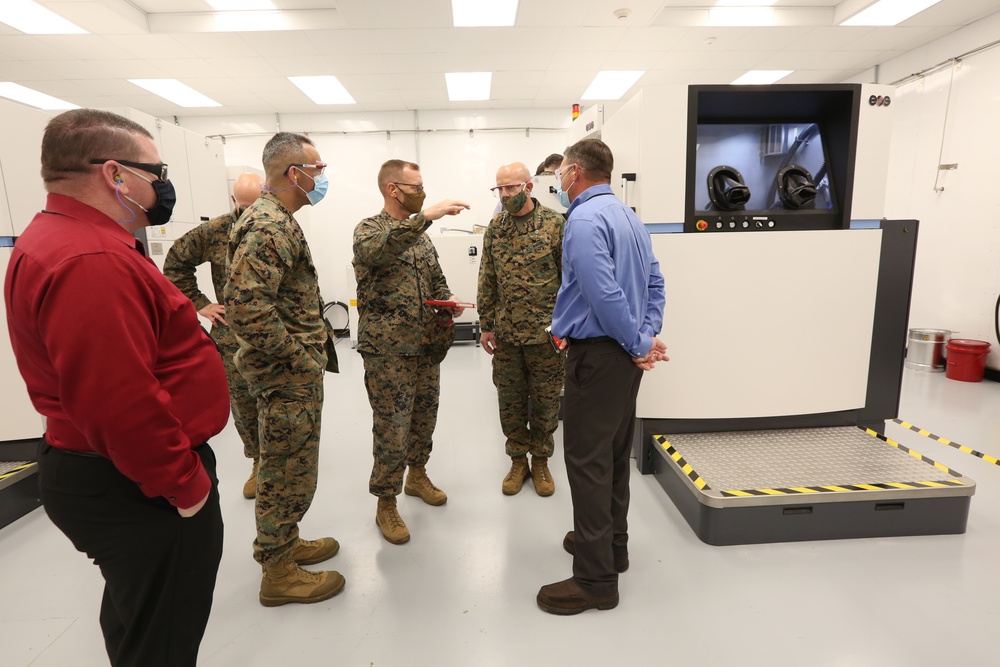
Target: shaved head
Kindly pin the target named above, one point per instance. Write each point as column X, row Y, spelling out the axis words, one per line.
column 246, row 189
column 515, row 172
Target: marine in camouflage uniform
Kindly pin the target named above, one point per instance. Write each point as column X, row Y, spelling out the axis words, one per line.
column 275, row 308
column 209, row 242
column 401, row 339
column 518, row 280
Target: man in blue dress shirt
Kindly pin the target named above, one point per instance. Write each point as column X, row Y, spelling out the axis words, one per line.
column 610, row 308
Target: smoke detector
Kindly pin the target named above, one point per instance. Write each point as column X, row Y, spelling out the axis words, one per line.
column 622, row 14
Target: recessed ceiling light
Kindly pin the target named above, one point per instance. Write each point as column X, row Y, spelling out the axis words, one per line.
column 174, row 91
column 473, row 13
column 610, row 85
column 468, row 86
column 889, row 12
column 323, row 89
column 740, row 16
column 761, row 77
column 249, row 21
column 744, row 3
column 240, row 5
column 18, row 93
column 33, row 19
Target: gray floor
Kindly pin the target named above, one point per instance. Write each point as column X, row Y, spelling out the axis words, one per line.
column 462, row 592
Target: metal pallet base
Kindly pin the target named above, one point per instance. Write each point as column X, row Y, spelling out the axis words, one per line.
column 755, row 487
column 19, row 492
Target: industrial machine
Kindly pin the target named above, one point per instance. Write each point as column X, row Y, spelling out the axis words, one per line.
column 787, row 307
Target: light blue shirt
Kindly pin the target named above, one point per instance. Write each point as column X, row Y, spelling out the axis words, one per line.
column 611, row 282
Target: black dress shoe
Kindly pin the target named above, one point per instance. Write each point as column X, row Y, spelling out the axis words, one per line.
column 621, row 555
column 566, row 598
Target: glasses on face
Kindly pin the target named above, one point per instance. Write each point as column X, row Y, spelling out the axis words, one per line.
column 508, row 189
column 320, row 167
column 158, row 169
column 416, row 188
column 562, row 171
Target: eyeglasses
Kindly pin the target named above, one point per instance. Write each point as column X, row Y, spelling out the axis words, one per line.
column 320, row 167
column 559, row 173
column 158, row 169
column 416, row 188
column 509, row 188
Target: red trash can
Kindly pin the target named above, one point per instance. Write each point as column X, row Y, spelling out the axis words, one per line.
column 966, row 359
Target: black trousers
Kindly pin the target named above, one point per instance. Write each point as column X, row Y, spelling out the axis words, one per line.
column 159, row 568
column 598, row 422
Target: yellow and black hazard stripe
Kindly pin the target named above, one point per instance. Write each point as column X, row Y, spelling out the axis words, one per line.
column 917, row 455
column 841, row 488
column 14, row 471
column 700, row 483
column 946, row 441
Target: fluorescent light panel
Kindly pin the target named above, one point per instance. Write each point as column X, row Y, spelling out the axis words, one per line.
column 18, row 93
column 744, row 3
column 610, row 85
column 240, row 5
column 249, row 21
column 323, row 89
column 174, row 91
column 33, row 19
column 475, row 13
column 762, row 77
column 740, row 16
column 889, row 12
column 468, row 86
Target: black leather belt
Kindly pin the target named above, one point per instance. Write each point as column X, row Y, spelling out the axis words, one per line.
column 588, row 341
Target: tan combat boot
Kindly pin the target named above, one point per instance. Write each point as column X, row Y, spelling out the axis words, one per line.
column 310, row 552
column 515, row 478
column 544, row 486
column 390, row 523
column 250, row 487
column 285, row 582
column 419, row 484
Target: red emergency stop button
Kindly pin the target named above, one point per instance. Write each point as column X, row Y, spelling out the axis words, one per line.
column 701, row 225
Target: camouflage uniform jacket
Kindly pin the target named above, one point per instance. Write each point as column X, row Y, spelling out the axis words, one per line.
column 520, row 275
column 208, row 242
column 273, row 302
column 397, row 268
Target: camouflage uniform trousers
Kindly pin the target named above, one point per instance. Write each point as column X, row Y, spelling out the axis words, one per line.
column 241, row 401
column 289, row 463
column 404, row 394
column 520, row 373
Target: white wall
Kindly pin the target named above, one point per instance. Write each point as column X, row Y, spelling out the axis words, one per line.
column 957, row 277
column 454, row 164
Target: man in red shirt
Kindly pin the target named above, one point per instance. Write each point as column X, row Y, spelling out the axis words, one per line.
column 130, row 385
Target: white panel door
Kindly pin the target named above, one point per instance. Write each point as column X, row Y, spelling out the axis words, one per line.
column 18, row 419
column 764, row 325
column 207, row 169
column 20, row 157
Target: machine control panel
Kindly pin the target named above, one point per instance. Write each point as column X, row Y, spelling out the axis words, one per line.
column 734, row 223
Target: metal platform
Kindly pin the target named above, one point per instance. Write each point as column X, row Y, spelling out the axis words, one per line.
column 751, row 487
column 18, row 490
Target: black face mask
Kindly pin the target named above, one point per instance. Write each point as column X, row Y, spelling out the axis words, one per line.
column 160, row 212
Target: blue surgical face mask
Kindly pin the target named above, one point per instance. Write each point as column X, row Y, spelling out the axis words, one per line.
column 563, row 195
column 320, row 186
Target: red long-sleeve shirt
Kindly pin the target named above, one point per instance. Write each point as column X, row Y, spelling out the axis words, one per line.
column 111, row 352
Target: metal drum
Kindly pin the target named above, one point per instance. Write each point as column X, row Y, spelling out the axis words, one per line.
column 925, row 349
